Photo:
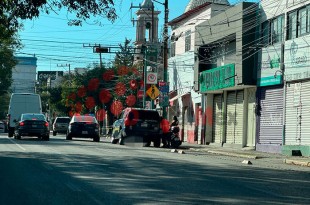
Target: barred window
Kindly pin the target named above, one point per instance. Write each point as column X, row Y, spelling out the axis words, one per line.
column 172, row 49
column 187, row 40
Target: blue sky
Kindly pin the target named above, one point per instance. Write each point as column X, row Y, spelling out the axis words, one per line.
column 55, row 43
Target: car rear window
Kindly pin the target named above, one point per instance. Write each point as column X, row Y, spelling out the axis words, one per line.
column 63, row 120
column 33, row 117
column 84, row 119
column 145, row 115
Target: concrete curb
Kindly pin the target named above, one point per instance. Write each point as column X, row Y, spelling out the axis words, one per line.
column 226, row 153
column 232, row 154
column 297, row 162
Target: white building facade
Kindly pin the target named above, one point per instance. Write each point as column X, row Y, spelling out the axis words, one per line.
column 185, row 103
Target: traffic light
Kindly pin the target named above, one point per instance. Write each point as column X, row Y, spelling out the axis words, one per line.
column 101, row 50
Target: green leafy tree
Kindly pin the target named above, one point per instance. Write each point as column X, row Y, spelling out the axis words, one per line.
column 11, row 11
column 14, row 10
column 8, row 44
column 124, row 57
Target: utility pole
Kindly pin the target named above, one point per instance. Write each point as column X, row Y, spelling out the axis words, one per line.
column 65, row 65
column 165, row 36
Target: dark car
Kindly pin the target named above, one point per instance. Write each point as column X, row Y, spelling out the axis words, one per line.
column 32, row 124
column 60, row 125
column 137, row 122
column 83, row 126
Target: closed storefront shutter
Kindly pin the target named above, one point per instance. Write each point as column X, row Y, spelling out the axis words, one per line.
column 239, row 118
column 217, row 126
column 293, row 113
column 234, row 117
column 305, row 118
column 270, row 115
column 230, row 117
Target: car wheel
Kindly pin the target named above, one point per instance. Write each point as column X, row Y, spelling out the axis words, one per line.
column 121, row 140
column 114, row 141
column 18, row 136
column 146, row 142
column 96, row 138
column 46, row 138
column 68, row 137
column 156, row 142
column 10, row 132
column 54, row 133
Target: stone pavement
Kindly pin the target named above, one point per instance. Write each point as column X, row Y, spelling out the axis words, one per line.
column 245, row 153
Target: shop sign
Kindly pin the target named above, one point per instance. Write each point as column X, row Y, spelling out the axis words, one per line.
column 217, row 78
column 268, row 72
column 297, row 59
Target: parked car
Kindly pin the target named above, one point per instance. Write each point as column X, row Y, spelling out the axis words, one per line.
column 60, row 125
column 137, row 122
column 2, row 127
column 32, row 124
column 83, row 126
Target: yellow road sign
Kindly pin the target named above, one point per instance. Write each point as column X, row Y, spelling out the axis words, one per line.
column 153, row 92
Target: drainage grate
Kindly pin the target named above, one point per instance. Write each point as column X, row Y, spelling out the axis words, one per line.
column 296, row 153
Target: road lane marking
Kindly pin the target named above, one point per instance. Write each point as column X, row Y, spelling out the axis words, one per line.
column 17, row 145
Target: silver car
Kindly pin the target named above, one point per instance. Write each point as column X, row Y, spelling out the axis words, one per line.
column 60, row 125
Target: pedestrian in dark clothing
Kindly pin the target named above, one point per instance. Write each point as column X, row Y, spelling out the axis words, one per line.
column 175, row 121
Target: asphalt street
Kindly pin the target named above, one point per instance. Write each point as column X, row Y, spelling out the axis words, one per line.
column 85, row 172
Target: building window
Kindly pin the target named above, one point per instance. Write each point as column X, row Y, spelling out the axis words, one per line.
column 272, row 31
column 277, row 31
column 292, row 25
column 298, row 23
column 172, row 49
column 187, row 40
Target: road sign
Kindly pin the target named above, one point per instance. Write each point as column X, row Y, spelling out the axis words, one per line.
column 163, row 100
column 151, row 78
column 153, row 92
column 140, row 94
column 164, row 89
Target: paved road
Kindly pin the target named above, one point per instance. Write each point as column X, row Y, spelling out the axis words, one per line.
column 84, row 172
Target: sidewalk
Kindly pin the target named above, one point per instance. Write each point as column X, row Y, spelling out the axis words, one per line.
column 245, row 153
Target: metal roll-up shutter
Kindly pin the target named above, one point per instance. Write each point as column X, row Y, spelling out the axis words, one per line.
column 305, row 119
column 217, row 129
column 271, row 115
column 231, row 117
column 239, row 118
column 292, row 113
column 234, row 117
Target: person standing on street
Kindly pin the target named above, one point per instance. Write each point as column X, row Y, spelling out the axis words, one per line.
column 164, row 124
column 175, row 121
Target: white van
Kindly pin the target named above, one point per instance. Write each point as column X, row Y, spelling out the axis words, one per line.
column 22, row 103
